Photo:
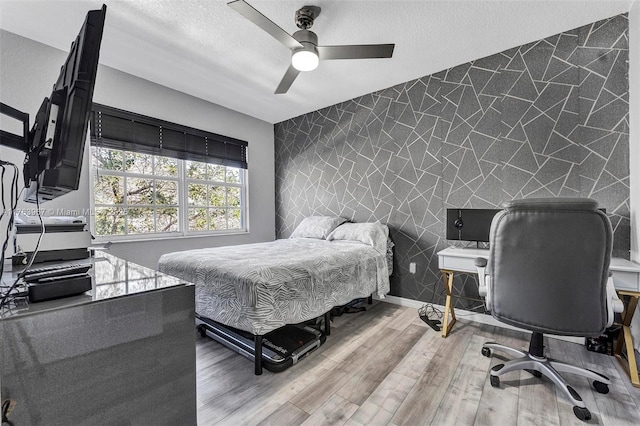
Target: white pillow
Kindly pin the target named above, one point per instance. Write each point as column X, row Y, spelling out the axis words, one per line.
column 372, row 233
column 317, row 226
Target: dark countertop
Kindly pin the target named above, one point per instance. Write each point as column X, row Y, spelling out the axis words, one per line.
column 111, row 277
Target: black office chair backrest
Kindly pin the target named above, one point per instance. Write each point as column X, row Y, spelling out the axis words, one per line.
column 549, row 265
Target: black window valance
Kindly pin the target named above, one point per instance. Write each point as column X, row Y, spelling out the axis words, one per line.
column 118, row 129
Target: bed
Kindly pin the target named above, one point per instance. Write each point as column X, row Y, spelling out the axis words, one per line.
column 263, row 286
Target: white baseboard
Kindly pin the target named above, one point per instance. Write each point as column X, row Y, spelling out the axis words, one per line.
column 471, row 316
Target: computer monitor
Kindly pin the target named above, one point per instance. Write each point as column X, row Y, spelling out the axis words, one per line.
column 54, row 146
column 469, row 224
column 472, row 224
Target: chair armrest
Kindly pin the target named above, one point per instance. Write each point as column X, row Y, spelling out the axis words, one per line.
column 614, row 304
column 484, row 280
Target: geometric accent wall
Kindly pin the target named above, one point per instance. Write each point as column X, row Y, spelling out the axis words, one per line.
column 549, row 118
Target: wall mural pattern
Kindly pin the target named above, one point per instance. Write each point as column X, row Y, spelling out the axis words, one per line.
column 549, row 118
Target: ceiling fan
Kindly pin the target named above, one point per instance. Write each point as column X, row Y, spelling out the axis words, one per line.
column 305, row 52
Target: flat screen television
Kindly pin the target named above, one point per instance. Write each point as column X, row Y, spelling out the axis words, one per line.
column 54, row 146
column 469, row 224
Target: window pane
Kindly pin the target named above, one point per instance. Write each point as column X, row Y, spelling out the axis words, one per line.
column 109, row 190
column 233, row 175
column 216, row 196
column 197, row 194
column 139, row 191
column 233, row 196
column 196, row 170
column 140, row 220
column 166, row 192
column 216, row 173
column 217, row 219
column 138, row 163
column 106, row 159
column 167, row 219
column 198, row 220
column 109, row 221
column 166, row 166
column 235, row 221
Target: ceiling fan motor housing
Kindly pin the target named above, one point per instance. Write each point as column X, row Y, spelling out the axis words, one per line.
column 306, row 37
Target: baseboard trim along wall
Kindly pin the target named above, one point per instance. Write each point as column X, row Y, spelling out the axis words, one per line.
column 470, row 316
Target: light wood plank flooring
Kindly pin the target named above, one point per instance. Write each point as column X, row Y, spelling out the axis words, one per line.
column 385, row 366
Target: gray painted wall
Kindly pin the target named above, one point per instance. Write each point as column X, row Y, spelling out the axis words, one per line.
column 549, row 118
column 27, row 72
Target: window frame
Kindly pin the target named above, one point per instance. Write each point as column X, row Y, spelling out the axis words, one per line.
column 183, row 201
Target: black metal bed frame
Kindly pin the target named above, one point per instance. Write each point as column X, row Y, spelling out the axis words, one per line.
column 257, row 339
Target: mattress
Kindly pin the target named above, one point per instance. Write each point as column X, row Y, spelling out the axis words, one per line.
column 263, row 286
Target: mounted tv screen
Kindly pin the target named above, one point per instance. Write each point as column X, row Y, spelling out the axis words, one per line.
column 57, row 139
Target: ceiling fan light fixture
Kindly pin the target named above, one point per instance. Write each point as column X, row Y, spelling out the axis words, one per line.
column 304, row 46
column 305, row 59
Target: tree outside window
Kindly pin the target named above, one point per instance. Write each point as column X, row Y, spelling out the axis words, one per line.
column 143, row 194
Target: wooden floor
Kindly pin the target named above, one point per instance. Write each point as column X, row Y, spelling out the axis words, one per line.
column 385, row 366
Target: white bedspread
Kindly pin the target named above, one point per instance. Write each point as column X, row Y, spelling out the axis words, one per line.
column 261, row 287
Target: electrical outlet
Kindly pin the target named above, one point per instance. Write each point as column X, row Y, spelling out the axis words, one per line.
column 412, row 267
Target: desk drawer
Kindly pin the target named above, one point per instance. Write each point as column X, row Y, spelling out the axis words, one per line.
column 459, row 264
column 626, row 280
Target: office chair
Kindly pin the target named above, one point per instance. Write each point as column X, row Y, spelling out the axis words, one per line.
column 548, row 272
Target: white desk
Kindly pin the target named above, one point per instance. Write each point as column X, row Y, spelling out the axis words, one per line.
column 452, row 260
column 626, row 278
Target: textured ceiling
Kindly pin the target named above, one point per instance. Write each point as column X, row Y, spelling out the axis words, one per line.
column 206, row 49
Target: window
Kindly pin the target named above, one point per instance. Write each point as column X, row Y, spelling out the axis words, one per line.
column 153, row 178
column 144, row 194
column 214, row 196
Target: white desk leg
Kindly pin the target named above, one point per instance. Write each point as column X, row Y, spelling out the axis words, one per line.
column 625, row 339
column 447, row 277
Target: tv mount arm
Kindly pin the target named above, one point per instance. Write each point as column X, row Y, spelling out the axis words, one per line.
column 37, row 144
column 21, row 143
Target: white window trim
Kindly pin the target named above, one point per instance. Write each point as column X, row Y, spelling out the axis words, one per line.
column 183, row 207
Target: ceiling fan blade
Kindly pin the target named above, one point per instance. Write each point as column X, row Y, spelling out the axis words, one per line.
column 287, row 80
column 356, row 51
column 246, row 10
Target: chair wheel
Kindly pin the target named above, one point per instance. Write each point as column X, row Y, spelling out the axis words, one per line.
column 601, row 387
column 495, row 381
column 486, row 352
column 582, row 413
